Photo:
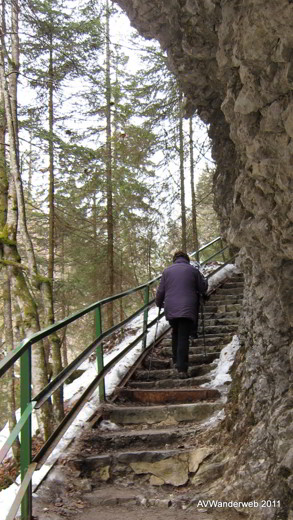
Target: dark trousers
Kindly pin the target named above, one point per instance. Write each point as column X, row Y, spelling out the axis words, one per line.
column 181, row 328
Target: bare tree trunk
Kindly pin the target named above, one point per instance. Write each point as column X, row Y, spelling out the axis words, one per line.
column 96, row 279
column 149, row 253
column 48, row 289
column 55, row 345
column 3, row 171
column 64, row 306
column 121, row 311
column 30, row 168
column 182, row 187
column 195, row 244
column 110, row 223
column 10, row 90
column 51, row 195
column 16, row 213
column 8, row 325
column 10, row 376
column 27, row 306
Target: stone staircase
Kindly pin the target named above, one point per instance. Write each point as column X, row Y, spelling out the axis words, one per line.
column 144, row 443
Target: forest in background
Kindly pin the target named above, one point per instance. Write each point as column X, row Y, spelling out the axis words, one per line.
column 101, row 177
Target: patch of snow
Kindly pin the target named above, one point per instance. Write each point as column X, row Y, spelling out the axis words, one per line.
column 226, row 272
column 108, row 426
column 214, row 419
column 221, row 378
column 220, row 375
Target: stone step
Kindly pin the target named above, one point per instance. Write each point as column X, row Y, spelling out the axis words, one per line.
column 202, row 358
column 168, row 396
column 210, row 339
column 213, row 312
column 194, row 359
column 156, row 414
column 218, row 329
column 236, row 276
column 170, row 373
column 197, row 349
column 216, row 320
column 99, row 441
column 176, row 383
column 232, row 291
column 222, row 307
column 223, row 315
column 225, row 297
column 234, row 284
column 114, row 500
column 157, row 467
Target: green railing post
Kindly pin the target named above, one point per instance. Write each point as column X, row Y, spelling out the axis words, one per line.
column 99, row 351
column 26, row 432
column 145, row 314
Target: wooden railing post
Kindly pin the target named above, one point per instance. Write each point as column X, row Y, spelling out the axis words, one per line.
column 99, row 351
column 145, row 314
column 26, row 432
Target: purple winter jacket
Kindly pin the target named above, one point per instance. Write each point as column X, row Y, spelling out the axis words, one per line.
column 179, row 288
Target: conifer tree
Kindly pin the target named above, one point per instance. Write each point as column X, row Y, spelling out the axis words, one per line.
column 208, row 224
column 194, row 242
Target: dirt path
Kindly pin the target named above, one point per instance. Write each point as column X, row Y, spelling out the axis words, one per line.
column 133, row 512
column 153, row 513
column 124, row 503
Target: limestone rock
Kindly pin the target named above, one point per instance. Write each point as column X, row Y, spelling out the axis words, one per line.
column 207, row 473
column 288, row 119
column 170, row 421
column 172, row 470
column 105, row 473
column 246, row 102
column 291, row 356
column 287, row 462
column 156, row 481
column 197, row 456
column 83, row 484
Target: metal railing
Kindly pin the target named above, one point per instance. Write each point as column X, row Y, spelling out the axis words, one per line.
column 28, row 403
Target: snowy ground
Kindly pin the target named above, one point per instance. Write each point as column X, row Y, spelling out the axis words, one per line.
column 220, row 375
column 75, row 389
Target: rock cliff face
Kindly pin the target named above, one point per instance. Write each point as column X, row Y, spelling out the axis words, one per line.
column 234, row 61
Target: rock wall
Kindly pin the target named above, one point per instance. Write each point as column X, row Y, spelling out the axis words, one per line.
column 234, row 61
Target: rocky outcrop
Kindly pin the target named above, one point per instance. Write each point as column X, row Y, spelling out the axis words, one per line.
column 234, row 61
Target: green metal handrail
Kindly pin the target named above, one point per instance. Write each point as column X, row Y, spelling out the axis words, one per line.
column 15, row 354
column 214, row 255
column 23, row 352
column 201, row 249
